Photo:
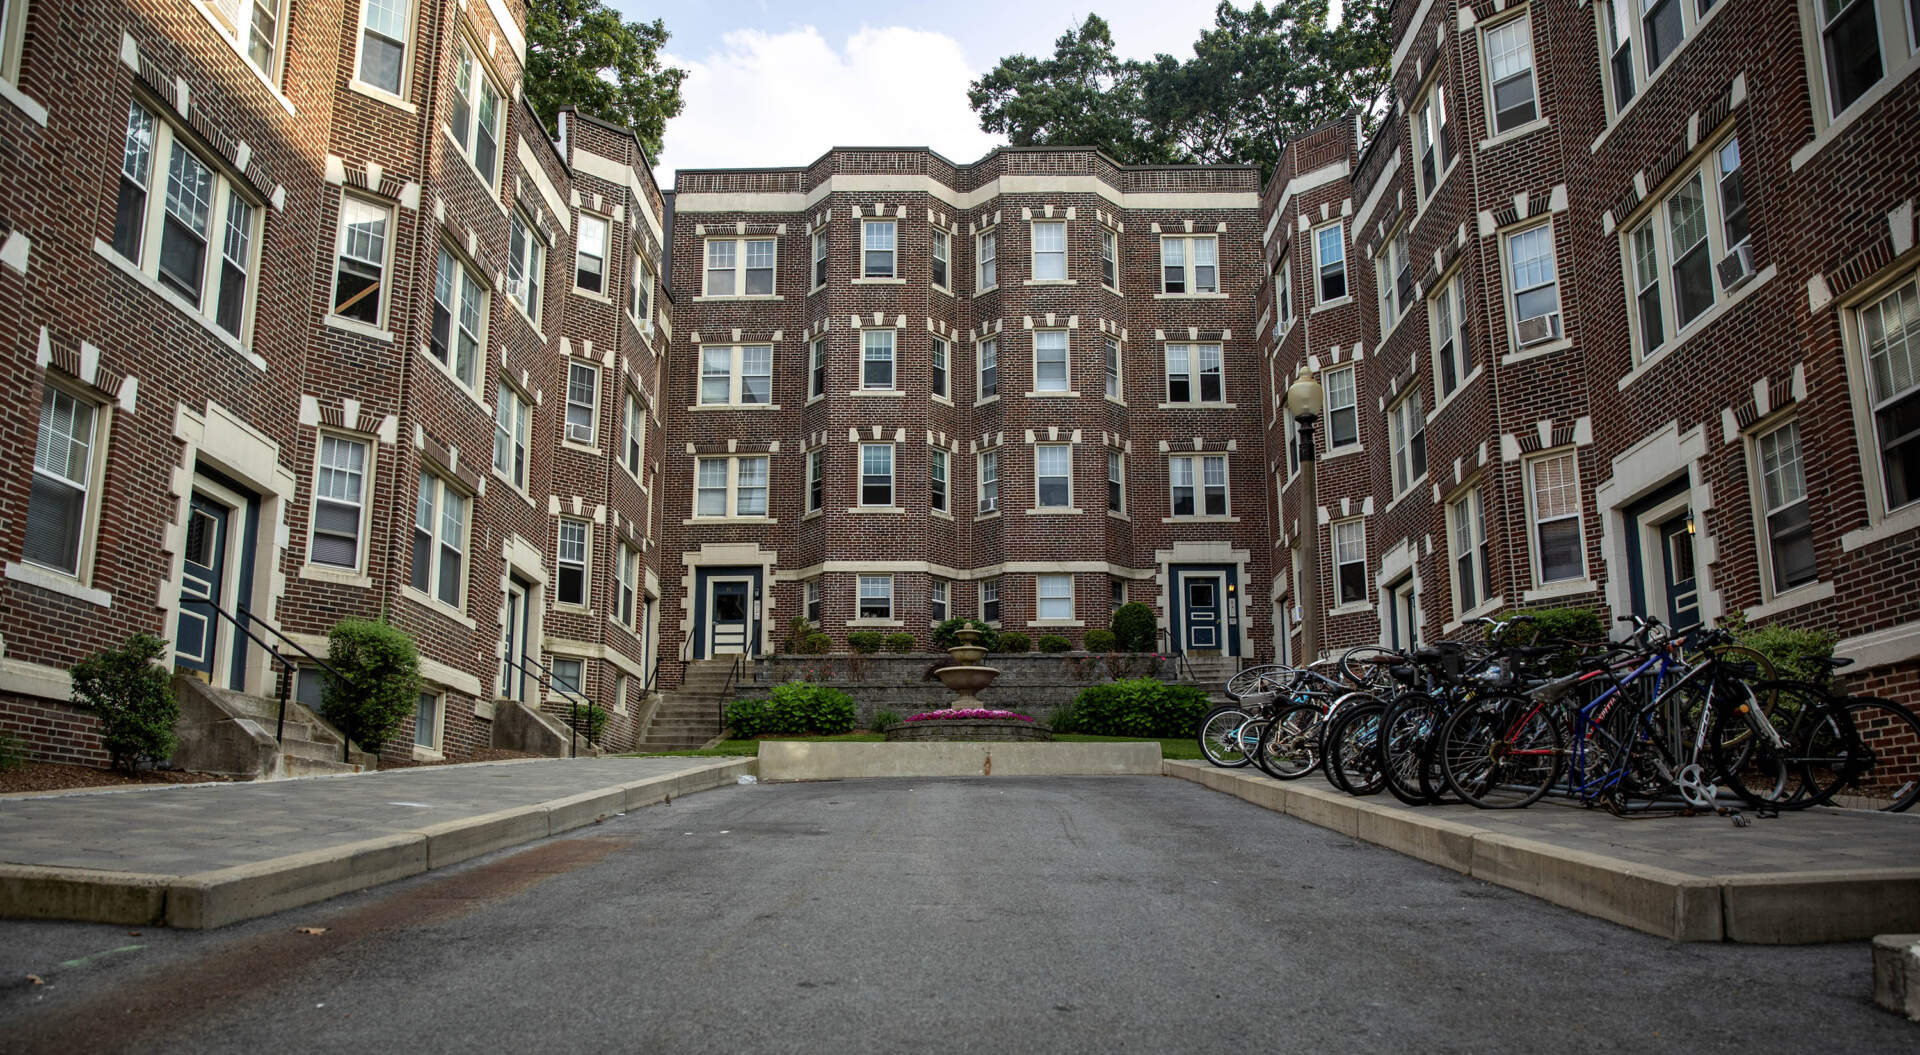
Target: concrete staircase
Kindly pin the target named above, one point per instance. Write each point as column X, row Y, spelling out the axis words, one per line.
column 1212, row 673
column 689, row 716
column 228, row 732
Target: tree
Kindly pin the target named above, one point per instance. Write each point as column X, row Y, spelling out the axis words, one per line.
column 580, row 53
column 1082, row 96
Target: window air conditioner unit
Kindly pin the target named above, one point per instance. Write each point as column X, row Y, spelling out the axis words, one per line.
column 579, row 433
column 1538, row 329
column 1736, row 267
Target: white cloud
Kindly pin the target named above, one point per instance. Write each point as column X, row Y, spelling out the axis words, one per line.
column 777, row 99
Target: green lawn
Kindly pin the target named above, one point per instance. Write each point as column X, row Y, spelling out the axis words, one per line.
column 1181, row 747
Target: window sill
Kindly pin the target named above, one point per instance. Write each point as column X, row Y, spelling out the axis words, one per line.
column 1521, row 132
column 1898, row 522
column 591, row 295
column 983, row 292
column 814, row 290
column 942, row 400
column 728, row 520
column 1110, row 288
column 1117, row 401
column 890, row 392
column 427, row 754
column 876, row 510
column 532, row 323
column 815, row 515
column 1491, row 604
column 1057, row 622
column 1053, row 511
column 1423, row 200
column 466, row 388
column 1050, row 282
column 1413, row 486
column 1118, row 515
column 1353, row 608
column 1447, row 400
column 698, row 408
column 941, row 513
column 1329, row 305
column 55, row 582
column 1521, row 355
column 382, row 95
column 1569, row 588
column 493, row 190
column 1215, row 519
column 983, row 402
column 583, row 448
column 1804, row 594
column 877, row 281
column 876, row 622
column 1337, row 452
column 34, row 110
column 737, row 296
column 1196, row 405
column 1645, row 87
column 516, row 488
column 176, row 301
column 437, row 606
column 1853, row 113
column 1191, row 296
column 938, row 288
column 989, row 515
column 811, row 400
column 338, row 576
column 1050, row 395
column 354, row 326
column 1721, row 306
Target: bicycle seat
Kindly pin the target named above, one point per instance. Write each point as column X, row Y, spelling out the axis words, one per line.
column 1836, row 662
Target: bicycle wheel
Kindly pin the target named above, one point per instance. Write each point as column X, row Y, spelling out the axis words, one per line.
column 1365, row 666
column 1352, row 759
column 1755, row 762
column 1220, row 738
column 1289, row 746
column 1500, row 752
column 1821, row 750
column 1256, row 681
column 1406, row 729
column 1890, row 780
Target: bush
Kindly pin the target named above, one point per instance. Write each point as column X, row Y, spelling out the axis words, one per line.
column 1133, row 627
column 817, row 644
column 1136, row 707
column 806, row 708
column 132, row 698
column 883, row 719
column 1054, row 643
column 865, row 642
column 379, row 683
column 1795, row 653
column 590, row 720
column 899, row 642
column 945, row 635
column 1577, row 626
column 797, row 633
column 1101, row 640
column 747, row 719
column 13, row 752
column 1015, row 643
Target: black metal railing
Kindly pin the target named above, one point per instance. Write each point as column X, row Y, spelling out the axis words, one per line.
column 733, row 678
column 580, row 709
column 244, row 621
column 1181, row 668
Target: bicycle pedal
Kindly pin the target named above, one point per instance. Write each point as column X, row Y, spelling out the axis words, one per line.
column 1741, row 820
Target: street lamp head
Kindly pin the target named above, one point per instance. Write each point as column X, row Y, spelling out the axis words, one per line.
column 1305, row 397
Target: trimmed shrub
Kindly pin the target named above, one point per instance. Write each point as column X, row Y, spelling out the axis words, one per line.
column 808, row 708
column 866, row 642
column 817, row 644
column 590, row 720
column 1795, row 653
column 1137, row 707
column 944, row 635
column 1133, row 627
column 132, row 698
column 746, row 719
column 379, row 683
column 1054, row 643
column 1576, row 626
column 1101, row 640
column 1014, row 644
column 883, row 719
column 899, row 642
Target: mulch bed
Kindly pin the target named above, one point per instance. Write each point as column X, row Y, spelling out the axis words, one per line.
column 59, row 776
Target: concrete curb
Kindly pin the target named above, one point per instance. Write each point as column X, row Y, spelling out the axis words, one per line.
column 1896, row 974
column 214, row 899
column 1774, row 909
column 835, row 760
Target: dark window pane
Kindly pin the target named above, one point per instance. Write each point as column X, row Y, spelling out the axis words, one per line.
column 356, row 291
column 1353, row 583
column 183, row 258
column 380, row 61
column 1899, row 427
column 1513, row 101
column 1694, row 284
column 1559, row 550
column 1792, row 532
column 1853, row 54
column 1664, row 32
column 422, row 559
column 233, row 297
column 1343, row 426
column 129, row 214
column 54, row 513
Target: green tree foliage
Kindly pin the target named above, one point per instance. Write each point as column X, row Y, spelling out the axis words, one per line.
column 580, row 53
column 1084, row 95
column 130, row 694
column 1134, row 627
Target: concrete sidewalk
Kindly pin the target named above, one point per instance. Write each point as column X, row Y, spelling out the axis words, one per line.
column 204, row 855
column 1813, row 876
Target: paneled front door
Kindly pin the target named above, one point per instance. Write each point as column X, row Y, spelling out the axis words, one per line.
column 727, row 616
column 1203, row 613
column 203, row 579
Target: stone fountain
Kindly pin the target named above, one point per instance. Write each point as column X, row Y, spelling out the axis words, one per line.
column 966, row 676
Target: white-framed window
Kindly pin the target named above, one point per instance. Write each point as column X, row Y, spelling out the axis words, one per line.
column 1053, row 476
column 1109, row 258
column 633, row 439
column 740, row 266
column 989, row 477
column 1049, row 250
column 1116, row 592
column 62, row 506
column 1890, row 345
column 990, row 601
column 941, row 253
column 426, row 721
column 1553, row 504
column 1195, row 373
column 1508, row 51
column 1350, row 561
column 816, row 479
column 1330, row 262
column 1691, row 248
column 876, row 474
column 1189, row 263
column 511, row 414
column 750, row 487
column 569, row 674
column 937, row 479
column 256, row 27
column 810, row 601
column 1859, row 42
column 1452, row 352
column 1407, row 434
column 1395, row 277
column 1786, row 515
column 877, row 360
column 570, row 559
column 439, row 540
column 626, row 574
column 583, row 403
column 817, row 369
column 1050, row 361
column 339, row 502
column 361, row 262
column 1116, row 482
column 821, row 249
column 879, row 257
column 1053, row 597
column 1115, row 390
column 876, row 597
column 1282, row 297
column 1433, row 151
column 1533, row 285
column 473, row 119
column 938, row 382
column 737, row 483
column 386, row 28
column 988, row 358
column 986, row 261
column 1342, row 406
column 1197, row 484
column 1472, row 553
column 937, row 607
column 590, row 247
column 526, row 265
column 458, row 338
column 736, row 374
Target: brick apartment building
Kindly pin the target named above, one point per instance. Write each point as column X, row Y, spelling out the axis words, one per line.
column 311, row 317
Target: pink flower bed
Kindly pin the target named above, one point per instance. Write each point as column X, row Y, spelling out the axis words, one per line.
column 971, row 712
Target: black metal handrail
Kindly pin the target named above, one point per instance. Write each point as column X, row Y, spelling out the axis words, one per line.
column 581, row 708
column 733, row 678
column 288, row 668
column 1178, row 656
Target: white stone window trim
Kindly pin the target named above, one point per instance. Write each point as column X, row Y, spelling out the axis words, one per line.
column 1193, row 375
column 363, row 530
column 860, row 595
column 1444, row 288
column 592, row 442
column 892, row 276
column 1397, row 422
column 373, row 91
column 1882, row 523
column 893, row 480
column 1110, row 238
column 1896, row 67
column 893, row 364
column 77, row 583
column 523, row 402
column 1692, row 23
column 1540, row 119
column 1065, row 277
column 1433, row 88
column 1558, row 587
column 1320, row 301
column 1477, row 553
column 483, row 74
column 1066, row 362
column 1757, row 497
column 1327, row 447
column 1069, row 509
column 605, row 295
column 1514, row 352
column 585, row 563
column 820, row 249
column 1041, row 583
column 471, row 389
column 1366, row 601
column 739, row 268
column 1386, row 276
column 980, row 238
column 435, row 751
column 431, row 597
column 1190, row 268
column 533, row 265
column 1198, row 464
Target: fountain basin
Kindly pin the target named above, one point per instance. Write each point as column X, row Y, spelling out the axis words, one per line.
column 966, row 680
column 967, row 655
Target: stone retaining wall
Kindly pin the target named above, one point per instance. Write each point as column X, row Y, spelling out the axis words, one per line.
column 1036, row 684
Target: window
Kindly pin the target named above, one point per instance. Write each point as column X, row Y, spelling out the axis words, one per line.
column 938, row 385
column 1472, row 555
column 1054, row 594
column 1788, row 517
column 1194, row 373
column 1432, row 139
column 426, row 721
column 1198, row 484
column 736, row 375
column 459, row 318
column 583, row 402
column 526, row 265
column 439, row 540
column 1342, row 407
column 990, row 601
column 989, row 357
column 1189, row 264
column 511, row 412
column 817, row 370
column 750, row 487
column 1282, row 298
column 710, row 487
column 877, row 256
column 590, row 254
column 937, row 601
column 1395, row 276
column 568, row 675
column 1116, row 592
column 1050, row 361
column 1644, row 257
column 383, row 43
column 1113, row 369
column 253, row 25
column 937, row 479
column 1407, row 423
column 1890, row 328
column 360, row 273
column 1533, row 283
column 1053, row 476
column 1452, row 354
column 810, row 601
column 876, row 474
column 1850, row 49
column 940, row 262
column 722, row 483
column 1330, row 257
column 1508, row 48
column 1109, row 258
column 820, row 247
column 339, row 502
column 626, row 574
column 474, row 119
column 742, row 265
column 1652, row 30
column 1618, row 18
column 1350, row 561
column 876, row 360
column 816, row 479
column 1049, row 250
column 633, row 444
column 987, row 261
column 876, row 597
column 570, row 585
column 1692, row 247
column 989, row 476
column 640, row 296
column 58, row 510
column 1116, row 482
column 1553, row 493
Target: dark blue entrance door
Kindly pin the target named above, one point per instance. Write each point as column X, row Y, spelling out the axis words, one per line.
column 203, row 578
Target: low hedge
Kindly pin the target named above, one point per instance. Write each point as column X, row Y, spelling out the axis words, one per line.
column 1101, row 641
column 1134, row 627
column 797, row 708
column 1135, row 707
column 1796, row 653
column 1014, row 644
column 899, row 642
column 1576, row 626
column 866, row 642
column 1054, row 643
column 130, row 693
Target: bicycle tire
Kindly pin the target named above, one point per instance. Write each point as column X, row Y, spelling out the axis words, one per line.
column 1290, row 744
column 1358, row 666
column 1891, row 736
column 1220, row 733
column 1501, row 752
column 1406, row 729
column 1822, row 748
column 1347, row 750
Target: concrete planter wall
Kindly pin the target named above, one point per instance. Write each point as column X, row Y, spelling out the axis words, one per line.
column 1036, row 684
column 969, row 729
